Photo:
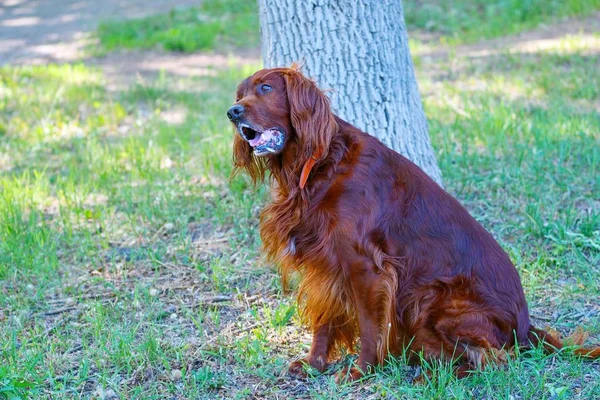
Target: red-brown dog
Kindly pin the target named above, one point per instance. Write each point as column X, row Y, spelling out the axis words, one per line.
column 383, row 252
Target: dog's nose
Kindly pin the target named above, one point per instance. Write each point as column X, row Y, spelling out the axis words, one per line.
column 235, row 112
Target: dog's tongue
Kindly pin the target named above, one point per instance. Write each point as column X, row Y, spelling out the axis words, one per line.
column 262, row 138
column 254, row 142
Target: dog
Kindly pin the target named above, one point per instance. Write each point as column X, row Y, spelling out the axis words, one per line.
column 384, row 254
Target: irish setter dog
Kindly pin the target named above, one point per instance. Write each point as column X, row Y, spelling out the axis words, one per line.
column 383, row 253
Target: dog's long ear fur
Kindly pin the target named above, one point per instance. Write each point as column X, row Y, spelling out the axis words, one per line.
column 244, row 158
column 310, row 114
column 311, row 117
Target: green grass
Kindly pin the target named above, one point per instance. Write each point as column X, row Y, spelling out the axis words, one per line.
column 468, row 21
column 234, row 23
column 129, row 264
column 216, row 24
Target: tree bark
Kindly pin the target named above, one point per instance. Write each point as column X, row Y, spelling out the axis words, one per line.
column 359, row 50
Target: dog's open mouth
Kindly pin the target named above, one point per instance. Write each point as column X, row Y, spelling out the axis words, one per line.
column 269, row 141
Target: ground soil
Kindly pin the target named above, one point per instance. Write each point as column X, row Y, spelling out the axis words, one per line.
column 58, row 31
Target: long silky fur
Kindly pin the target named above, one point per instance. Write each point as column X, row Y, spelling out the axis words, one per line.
column 322, row 292
column 438, row 280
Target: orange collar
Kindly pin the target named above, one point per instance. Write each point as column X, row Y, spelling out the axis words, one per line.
column 308, row 166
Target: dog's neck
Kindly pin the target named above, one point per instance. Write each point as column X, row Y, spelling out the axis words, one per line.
column 308, row 166
column 292, row 181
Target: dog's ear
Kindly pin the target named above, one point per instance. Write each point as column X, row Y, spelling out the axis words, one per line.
column 310, row 114
column 244, row 158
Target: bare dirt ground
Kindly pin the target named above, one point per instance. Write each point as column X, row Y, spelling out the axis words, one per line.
column 122, row 67
column 56, row 31
column 42, row 31
column 543, row 37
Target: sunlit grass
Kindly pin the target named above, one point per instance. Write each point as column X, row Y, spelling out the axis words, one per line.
column 569, row 44
column 129, row 264
column 472, row 20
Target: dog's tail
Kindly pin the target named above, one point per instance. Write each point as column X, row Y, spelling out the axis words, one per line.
column 552, row 344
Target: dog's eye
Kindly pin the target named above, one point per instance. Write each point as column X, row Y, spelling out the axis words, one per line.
column 265, row 88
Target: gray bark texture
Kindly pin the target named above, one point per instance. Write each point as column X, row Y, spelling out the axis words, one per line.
column 358, row 50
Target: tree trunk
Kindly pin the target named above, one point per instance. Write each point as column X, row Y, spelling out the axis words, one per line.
column 359, row 50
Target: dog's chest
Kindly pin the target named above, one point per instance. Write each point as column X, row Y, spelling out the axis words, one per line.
column 294, row 231
column 299, row 242
column 290, row 249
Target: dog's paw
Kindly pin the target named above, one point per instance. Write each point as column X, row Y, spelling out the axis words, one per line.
column 349, row 374
column 298, row 369
column 304, row 368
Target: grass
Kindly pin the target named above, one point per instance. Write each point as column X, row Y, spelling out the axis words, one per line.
column 473, row 20
column 130, row 267
column 221, row 24
column 215, row 23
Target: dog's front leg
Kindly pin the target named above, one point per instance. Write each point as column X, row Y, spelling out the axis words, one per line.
column 317, row 356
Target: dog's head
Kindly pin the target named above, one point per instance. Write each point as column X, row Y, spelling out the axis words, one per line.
column 279, row 113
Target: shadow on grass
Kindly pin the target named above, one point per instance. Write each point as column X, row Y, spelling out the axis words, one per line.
column 143, row 258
